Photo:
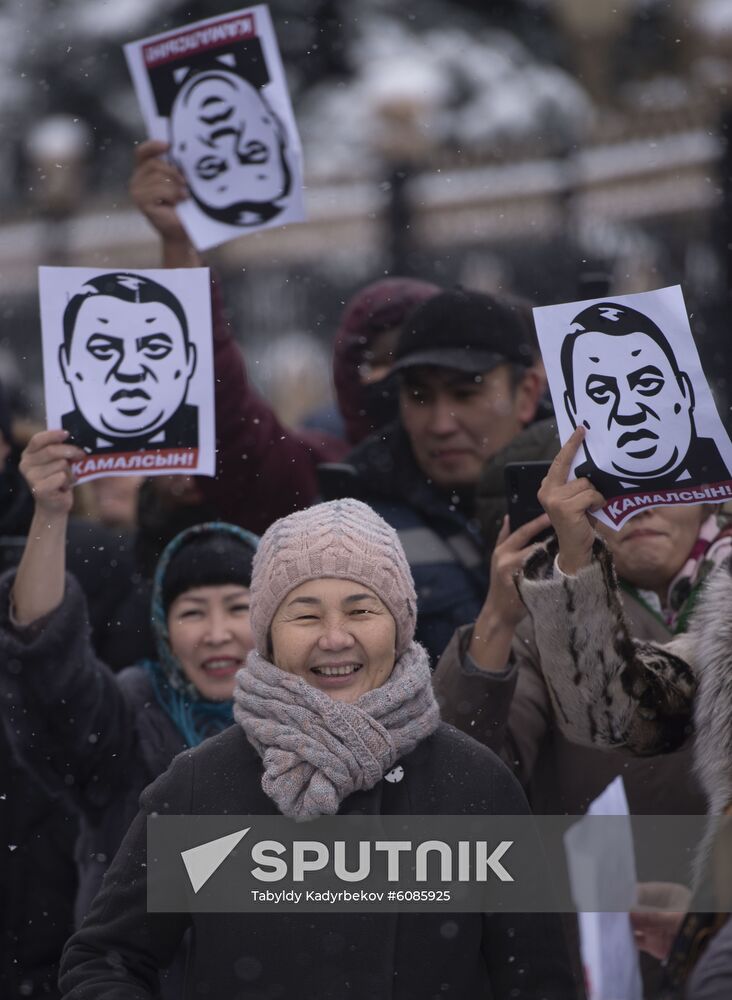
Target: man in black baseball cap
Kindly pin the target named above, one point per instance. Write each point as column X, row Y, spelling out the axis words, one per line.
column 470, row 382
column 467, row 331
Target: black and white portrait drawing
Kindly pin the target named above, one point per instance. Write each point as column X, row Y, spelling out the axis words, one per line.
column 230, row 146
column 127, row 362
column 216, row 92
column 628, row 371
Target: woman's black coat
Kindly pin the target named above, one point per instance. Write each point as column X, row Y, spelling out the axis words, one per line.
column 359, row 956
column 93, row 738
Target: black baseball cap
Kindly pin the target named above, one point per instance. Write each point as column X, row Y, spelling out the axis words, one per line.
column 467, row 331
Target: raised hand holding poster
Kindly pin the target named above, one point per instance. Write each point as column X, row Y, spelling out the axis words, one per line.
column 128, row 368
column 216, row 92
column 628, row 371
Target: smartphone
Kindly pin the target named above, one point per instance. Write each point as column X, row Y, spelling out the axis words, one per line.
column 523, row 480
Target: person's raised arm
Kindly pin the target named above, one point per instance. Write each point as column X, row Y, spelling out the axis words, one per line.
column 607, row 689
column 39, row 581
column 483, row 681
column 66, row 716
column 263, row 469
column 503, row 610
column 156, row 188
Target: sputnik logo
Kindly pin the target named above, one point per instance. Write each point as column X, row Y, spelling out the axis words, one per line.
column 202, row 861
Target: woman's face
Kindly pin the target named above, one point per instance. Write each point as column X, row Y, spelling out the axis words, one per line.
column 337, row 635
column 210, row 636
column 653, row 546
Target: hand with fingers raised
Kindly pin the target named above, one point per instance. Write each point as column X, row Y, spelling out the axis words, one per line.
column 568, row 505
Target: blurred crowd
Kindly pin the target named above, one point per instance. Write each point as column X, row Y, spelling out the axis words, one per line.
column 437, row 390
column 146, row 624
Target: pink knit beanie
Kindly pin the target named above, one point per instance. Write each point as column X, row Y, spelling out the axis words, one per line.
column 344, row 539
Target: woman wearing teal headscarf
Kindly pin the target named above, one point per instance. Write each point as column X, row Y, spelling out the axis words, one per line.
column 94, row 737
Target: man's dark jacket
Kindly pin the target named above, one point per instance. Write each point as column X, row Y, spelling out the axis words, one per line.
column 444, row 548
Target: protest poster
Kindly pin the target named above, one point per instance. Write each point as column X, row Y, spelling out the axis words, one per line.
column 216, row 91
column 628, row 371
column 128, row 368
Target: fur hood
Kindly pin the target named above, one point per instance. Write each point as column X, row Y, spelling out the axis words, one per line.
column 710, row 652
column 637, row 697
column 380, row 306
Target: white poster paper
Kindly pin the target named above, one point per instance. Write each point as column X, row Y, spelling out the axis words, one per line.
column 216, row 91
column 602, row 872
column 128, row 368
column 627, row 369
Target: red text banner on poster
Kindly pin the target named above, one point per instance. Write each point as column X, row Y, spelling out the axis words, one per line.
column 210, row 36
column 169, row 459
column 619, row 509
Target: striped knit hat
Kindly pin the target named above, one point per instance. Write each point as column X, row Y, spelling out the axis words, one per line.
column 344, row 539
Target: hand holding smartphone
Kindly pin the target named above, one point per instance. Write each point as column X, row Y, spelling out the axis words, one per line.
column 522, row 481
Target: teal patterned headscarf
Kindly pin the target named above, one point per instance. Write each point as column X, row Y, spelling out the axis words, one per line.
column 195, row 717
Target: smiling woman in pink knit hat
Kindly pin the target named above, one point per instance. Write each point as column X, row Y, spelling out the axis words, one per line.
column 333, row 602
column 335, row 714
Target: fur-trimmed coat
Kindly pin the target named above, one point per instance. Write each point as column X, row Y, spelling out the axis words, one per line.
column 638, row 697
column 512, row 712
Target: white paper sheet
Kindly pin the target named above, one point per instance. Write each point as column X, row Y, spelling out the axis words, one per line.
column 216, row 91
column 627, row 369
column 128, row 368
column 601, row 863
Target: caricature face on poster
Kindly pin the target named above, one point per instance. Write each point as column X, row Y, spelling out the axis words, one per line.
column 216, row 92
column 628, row 371
column 128, row 368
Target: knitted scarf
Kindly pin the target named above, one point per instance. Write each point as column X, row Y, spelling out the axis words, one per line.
column 316, row 751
